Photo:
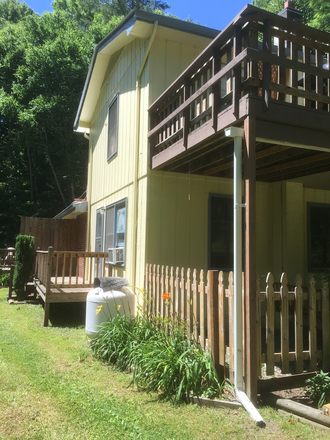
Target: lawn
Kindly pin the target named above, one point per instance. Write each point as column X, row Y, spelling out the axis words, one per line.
column 52, row 388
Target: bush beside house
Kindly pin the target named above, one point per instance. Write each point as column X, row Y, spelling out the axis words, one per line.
column 25, row 262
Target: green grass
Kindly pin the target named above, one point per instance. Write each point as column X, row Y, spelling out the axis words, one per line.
column 52, row 388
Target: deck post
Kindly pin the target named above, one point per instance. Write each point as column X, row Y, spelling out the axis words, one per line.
column 250, row 260
column 48, row 281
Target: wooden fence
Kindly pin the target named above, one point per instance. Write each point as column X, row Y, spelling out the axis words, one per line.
column 61, row 234
column 60, row 268
column 293, row 323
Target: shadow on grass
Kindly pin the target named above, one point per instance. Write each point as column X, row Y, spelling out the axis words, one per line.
column 67, row 315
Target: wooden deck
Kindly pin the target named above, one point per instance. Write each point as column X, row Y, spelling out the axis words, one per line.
column 67, row 277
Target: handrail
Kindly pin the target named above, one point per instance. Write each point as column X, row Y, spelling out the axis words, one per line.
column 66, row 269
column 255, row 54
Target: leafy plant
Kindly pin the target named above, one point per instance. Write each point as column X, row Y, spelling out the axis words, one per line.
column 319, row 388
column 164, row 357
column 4, row 280
column 25, row 261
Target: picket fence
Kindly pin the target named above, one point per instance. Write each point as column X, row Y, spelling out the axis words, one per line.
column 293, row 322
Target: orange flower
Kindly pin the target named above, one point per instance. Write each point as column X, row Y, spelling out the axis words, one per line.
column 166, row 296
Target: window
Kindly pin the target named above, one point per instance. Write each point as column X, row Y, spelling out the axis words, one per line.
column 221, row 246
column 112, row 128
column 318, row 237
column 115, row 230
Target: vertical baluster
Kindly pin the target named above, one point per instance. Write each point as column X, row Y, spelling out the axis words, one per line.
column 307, row 76
column 312, row 325
column 70, row 268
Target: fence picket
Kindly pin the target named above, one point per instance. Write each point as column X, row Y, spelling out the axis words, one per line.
column 182, row 295
column 312, row 325
column 172, row 290
column 221, row 302
column 201, row 291
column 270, row 324
column 162, row 291
column 284, row 324
column 325, row 326
column 167, row 290
column 158, row 300
column 299, row 324
column 189, row 302
column 195, row 305
column 231, row 325
column 258, row 326
column 176, row 284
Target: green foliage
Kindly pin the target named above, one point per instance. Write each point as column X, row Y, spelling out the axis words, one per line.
column 4, row 279
column 307, row 7
column 25, row 261
column 13, row 11
column 163, row 356
column 319, row 388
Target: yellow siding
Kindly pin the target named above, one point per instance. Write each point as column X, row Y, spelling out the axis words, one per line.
column 168, row 59
column 113, row 180
column 178, row 218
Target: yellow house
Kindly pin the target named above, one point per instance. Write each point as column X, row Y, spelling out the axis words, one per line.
column 163, row 215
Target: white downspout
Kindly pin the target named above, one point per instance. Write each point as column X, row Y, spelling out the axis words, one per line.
column 89, row 190
column 137, row 147
column 238, row 134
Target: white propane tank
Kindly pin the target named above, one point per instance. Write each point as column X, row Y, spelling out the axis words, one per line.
column 113, row 302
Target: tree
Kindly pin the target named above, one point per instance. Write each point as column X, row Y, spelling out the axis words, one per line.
column 13, row 11
column 122, row 7
column 305, row 6
column 44, row 62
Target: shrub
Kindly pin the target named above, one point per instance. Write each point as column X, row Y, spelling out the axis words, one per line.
column 25, row 262
column 319, row 388
column 163, row 356
column 4, row 280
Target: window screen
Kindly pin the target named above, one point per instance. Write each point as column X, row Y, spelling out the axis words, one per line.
column 318, row 237
column 221, row 240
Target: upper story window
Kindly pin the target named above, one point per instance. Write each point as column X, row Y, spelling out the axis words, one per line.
column 221, row 239
column 115, row 232
column 318, row 237
column 112, row 128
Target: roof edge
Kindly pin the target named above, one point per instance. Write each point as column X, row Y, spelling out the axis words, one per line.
column 128, row 21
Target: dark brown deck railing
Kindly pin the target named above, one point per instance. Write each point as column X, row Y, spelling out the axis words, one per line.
column 258, row 54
